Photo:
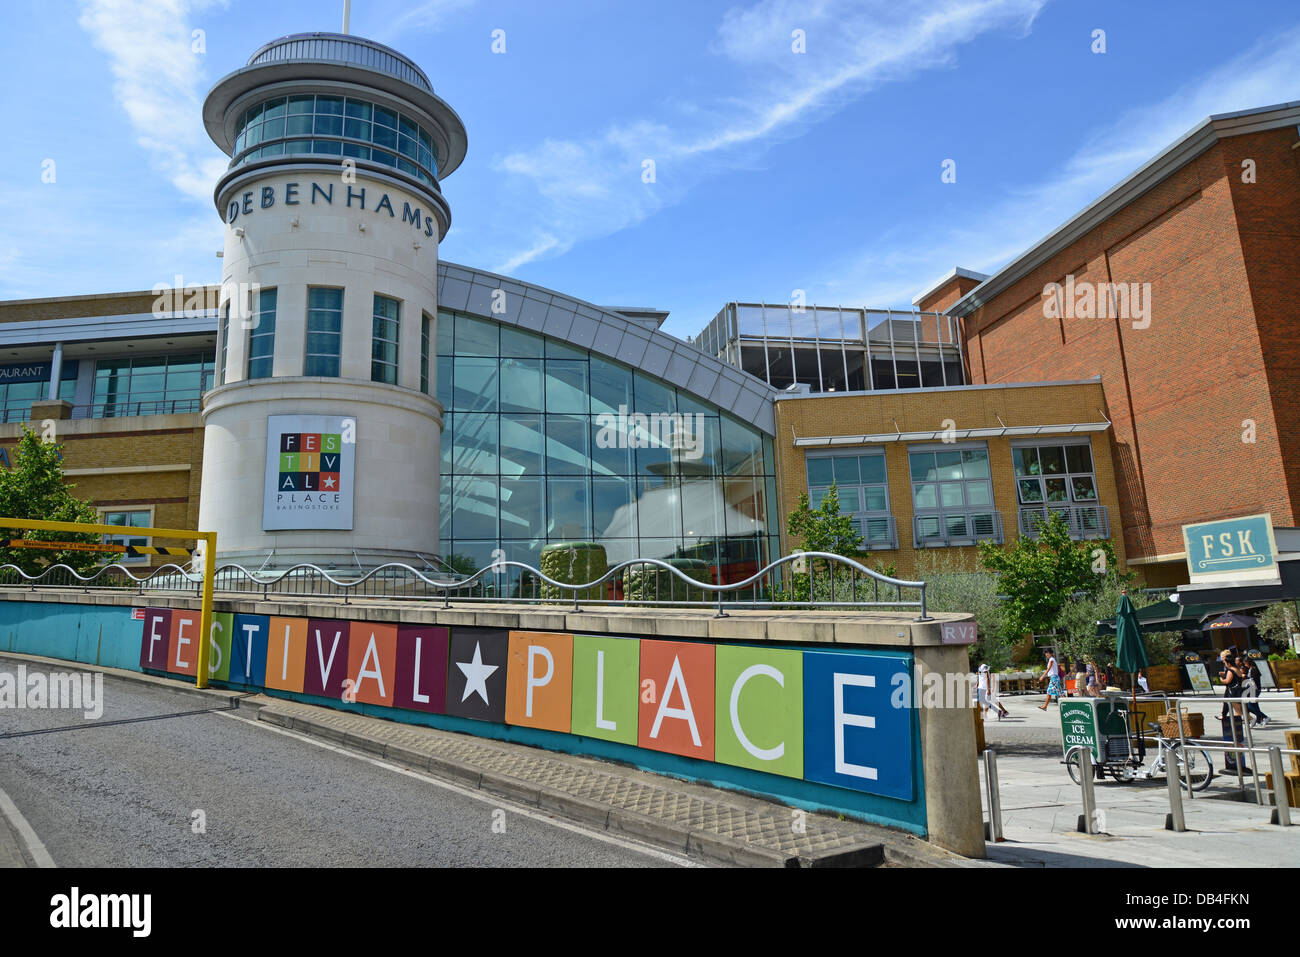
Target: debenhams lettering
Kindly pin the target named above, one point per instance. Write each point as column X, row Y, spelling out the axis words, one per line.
column 266, row 196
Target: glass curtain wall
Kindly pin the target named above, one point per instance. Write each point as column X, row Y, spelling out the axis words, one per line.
column 544, row 442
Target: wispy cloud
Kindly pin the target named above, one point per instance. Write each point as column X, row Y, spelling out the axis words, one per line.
column 896, row 267
column 428, row 15
column 158, row 80
column 572, row 190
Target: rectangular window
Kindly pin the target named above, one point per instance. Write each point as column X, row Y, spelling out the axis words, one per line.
column 425, row 324
column 324, row 331
column 383, row 348
column 141, row 518
column 261, row 338
column 1058, row 477
column 863, row 488
column 952, row 495
column 225, row 343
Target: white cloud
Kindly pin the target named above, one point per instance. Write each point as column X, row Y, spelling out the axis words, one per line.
column 895, row 268
column 429, row 15
column 574, row 190
column 158, row 81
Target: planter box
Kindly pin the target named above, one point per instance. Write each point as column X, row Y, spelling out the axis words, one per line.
column 1285, row 672
column 1165, row 678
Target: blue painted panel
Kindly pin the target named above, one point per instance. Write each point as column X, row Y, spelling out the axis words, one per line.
column 248, row 650
column 854, row 734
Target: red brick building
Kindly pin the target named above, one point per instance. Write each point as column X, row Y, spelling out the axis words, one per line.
column 1201, row 366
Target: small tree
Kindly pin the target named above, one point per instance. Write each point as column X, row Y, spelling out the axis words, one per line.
column 35, row 489
column 824, row 529
column 1077, row 623
column 1039, row 576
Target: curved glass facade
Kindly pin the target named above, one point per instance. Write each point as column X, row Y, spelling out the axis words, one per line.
column 544, row 442
column 335, row 126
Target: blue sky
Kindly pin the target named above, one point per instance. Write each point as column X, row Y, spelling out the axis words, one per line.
column 775, row 170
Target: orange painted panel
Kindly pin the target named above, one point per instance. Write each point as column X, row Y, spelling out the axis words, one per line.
column 539, row 680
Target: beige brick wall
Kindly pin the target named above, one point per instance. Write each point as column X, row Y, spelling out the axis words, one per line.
column 970, row 408
column 133, row 463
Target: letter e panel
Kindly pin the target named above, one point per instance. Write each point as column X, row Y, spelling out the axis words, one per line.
column 854, row 736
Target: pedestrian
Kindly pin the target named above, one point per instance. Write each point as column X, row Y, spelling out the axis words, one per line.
column 1252, row 683
column 1091, row 680
column 1142, row 681
column 984, row 692
column 1052, row 675
column 1233, row 680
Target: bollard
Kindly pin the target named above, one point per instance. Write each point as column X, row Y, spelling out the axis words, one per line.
column 1182, row 743
column 1281, row 805
column 1175, row 821
column 1087, row 820
column 995, row 800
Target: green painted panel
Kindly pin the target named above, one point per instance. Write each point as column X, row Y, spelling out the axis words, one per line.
column 606, row 673
column 759, row 709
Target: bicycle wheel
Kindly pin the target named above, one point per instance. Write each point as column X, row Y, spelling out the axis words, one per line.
column 1072, row 764
column 1200, row 769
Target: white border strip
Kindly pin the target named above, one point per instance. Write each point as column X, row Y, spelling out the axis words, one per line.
column 34, row 846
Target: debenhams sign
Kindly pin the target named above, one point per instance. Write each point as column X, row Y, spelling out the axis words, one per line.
column 313, row 194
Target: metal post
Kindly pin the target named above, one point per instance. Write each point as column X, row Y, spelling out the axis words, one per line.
column 1088, row 821
column 1182, row 745
column 201, row 674
column 1175, row 821
column 995, row 799
column 1254, row 765
column 1281, row 806
column 1237, row 757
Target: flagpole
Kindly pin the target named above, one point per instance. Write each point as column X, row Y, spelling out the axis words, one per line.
column 347, row 10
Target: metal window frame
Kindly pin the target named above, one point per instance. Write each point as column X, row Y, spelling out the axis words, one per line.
column 859, row 515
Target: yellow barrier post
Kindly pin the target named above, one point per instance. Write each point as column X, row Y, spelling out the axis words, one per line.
column 209, row 540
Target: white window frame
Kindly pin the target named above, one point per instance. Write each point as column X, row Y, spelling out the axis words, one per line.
column 860, row 515
column 114, row 539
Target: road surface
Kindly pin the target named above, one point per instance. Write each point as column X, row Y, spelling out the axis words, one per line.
column 134, row 793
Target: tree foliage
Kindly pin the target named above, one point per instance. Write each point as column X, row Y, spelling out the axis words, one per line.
column 1077, row 624
column 952, row 586
column 824, row 529
column 34, row 488
column 1040, row 575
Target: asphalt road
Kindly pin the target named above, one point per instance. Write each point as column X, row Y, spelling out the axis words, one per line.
column 98, row 794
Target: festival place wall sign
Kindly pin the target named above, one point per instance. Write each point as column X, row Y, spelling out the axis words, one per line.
column 813, row 715
column 310, row 472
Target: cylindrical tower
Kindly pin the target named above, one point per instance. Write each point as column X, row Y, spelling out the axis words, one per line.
column 322, row 431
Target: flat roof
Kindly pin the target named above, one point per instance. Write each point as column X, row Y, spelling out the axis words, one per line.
column 958, row 272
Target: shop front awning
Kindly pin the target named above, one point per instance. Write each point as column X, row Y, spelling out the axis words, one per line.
column 1176, row 616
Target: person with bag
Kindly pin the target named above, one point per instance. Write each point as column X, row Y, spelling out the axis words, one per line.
column 1251, row 686
column 984, row 693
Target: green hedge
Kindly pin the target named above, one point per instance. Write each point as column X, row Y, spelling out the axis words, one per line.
column 652, row 583
column 574, row 563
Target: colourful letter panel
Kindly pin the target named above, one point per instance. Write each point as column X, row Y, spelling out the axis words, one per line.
column 760, row 709
column 606, row 683
column 679, row 719
column 421, row 668
column 539, row 680
column 327, row 658
column 286, row 653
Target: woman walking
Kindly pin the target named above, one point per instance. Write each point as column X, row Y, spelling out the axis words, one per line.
column 1052, row 675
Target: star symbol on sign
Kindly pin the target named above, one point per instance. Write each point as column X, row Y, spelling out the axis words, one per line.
column 329, row 483
column 476, row 675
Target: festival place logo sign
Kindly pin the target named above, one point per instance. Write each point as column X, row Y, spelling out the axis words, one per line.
column 310, row 472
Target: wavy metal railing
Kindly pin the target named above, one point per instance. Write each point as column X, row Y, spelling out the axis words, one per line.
column 776, row 585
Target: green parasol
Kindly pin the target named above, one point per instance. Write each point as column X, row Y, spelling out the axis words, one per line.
column 1130, row 651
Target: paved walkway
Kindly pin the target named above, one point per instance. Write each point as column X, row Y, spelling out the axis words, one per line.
column 1041, row 805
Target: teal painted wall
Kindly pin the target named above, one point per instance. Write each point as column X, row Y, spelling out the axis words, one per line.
column 90, row 634
column 110, row 637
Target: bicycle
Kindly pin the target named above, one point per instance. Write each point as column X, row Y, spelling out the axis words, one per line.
column 1121, row 764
